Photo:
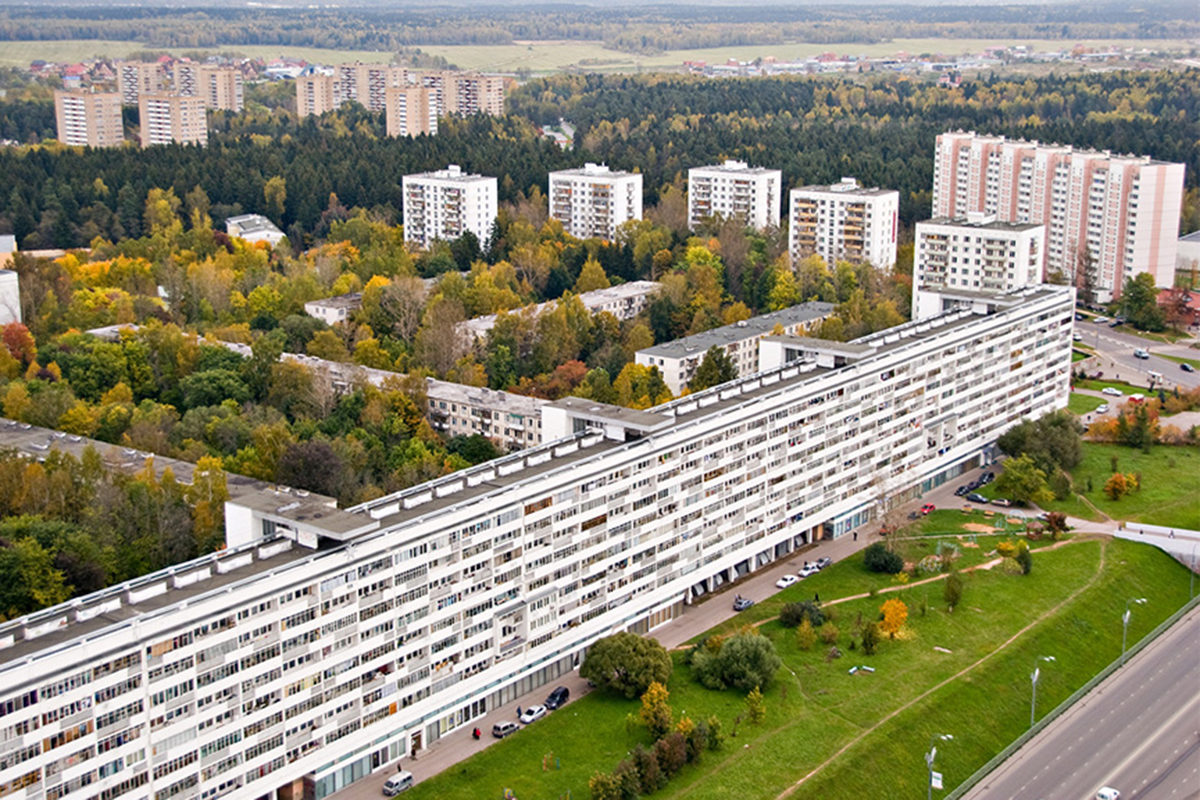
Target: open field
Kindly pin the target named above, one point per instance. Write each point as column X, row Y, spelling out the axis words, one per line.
column 1068, row 607
column 1081, row 404
column 553, row 56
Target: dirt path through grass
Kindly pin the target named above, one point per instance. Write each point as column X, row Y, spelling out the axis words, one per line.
column 1045, row 615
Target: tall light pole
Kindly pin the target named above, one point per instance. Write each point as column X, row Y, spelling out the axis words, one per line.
column 1125, row 623
column 930, row 756
column 1033, row 677
column 1192, row 580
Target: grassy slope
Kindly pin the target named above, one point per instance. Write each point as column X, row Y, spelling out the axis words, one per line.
column 815, row 707
column 1084, row 403
column 1127, row 388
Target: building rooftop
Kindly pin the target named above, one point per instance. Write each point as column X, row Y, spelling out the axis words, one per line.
column 1194, row 236
column 738, row 167
column 350, row 301
column 452, row 173
column 982, row 222
column 505, row 402
column 592, row 170
column 1066, row 148
column 8, row 243
column 593, row 301
column 251, row 223
column 644, row 421
column 847, row 186
column 746, row 329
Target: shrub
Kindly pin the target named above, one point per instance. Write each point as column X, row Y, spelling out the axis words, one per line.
column 715, row 737
column 895, row 613
column 793, row 614
column 870, row 638
column 650, row 775
column 953, row 590
column 806, row 637
column 604, row 786
column 878, row 558
column 656, row 709
column 698, row 740
column 745, row 660
column 829, row 633
column 672, row 753
column 1025, row 559
column 626, row 663
column 756, row 707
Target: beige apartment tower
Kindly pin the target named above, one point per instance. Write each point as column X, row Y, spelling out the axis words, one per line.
column 136, row 78
column 218, row 87
column 465, row 93
column 314, row 95
column 89, row 119
column 367, row 84
column 167, row 118
column 411, row 111
column 1118, row 212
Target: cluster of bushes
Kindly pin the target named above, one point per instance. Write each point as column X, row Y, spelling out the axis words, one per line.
column 648, row 769
column 878, row 558
column 746, row 660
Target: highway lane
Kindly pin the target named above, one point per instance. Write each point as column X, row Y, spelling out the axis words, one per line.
column 1138, row 732
column 1117, row 350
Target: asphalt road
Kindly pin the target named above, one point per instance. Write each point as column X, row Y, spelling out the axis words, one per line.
column 1138, row 732
column 1116, row 353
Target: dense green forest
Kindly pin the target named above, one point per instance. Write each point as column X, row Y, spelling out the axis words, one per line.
column 630, row 28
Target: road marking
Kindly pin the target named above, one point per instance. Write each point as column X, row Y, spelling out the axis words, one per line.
column 1186, row 709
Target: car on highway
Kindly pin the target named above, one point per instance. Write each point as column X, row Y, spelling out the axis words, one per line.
column 742, row 603
column 1140, row 353
column 1102, row 408
column 823, row 562
column 533, row 714
column 1187, row 367
column 786, row 581
column 1108, row 793
column 1111, row 390
column 976, row 497
column 925, row 509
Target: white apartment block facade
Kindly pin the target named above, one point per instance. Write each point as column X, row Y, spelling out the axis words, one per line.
column 273, row 669
column 592, row 201
column 447, row 203
column 844, row 221
column 1122, row 210
column 624, row 301
column 957, row 257
column 89, row 119
column 734, row 190
column 169, row 118
column 678, row 360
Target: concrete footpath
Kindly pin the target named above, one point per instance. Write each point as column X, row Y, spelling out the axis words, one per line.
column 695, row 620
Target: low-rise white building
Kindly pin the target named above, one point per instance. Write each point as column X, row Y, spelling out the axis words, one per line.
column 254, row 228
column 624, row 301
column 447, row 203
column 332, row 310
column 844, row 221
column 293, row 664
column 734, row 190
column 592, row 201
column 953, row 258
column 678, row 360
column 514, row 421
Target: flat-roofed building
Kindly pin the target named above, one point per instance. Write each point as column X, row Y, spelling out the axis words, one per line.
column 624, row 301
column 972, row 255
column 168, row 118
column 678, row 360
column 332, row 643
column 411, row 111
column 314, row 95
column 592, row 201
column 367, row 84
column 219, row 87
column 446, row 203
column 734, row 190
column 332, row 310
column 89, row 119
column 254, row 228
column 10, row 294
column 136, row 78
column 844, row 221
column 464, row 93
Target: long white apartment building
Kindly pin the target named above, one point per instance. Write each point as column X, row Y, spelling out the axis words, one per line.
column 592, row 201
column 624, row 301
column 678, row 360
column 844, row 222
column 955, row 259
column 273, row 668
column 1119, row 211
column 447, row 203
column 734, row 189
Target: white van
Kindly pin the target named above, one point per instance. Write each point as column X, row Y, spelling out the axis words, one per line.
column 402, row 781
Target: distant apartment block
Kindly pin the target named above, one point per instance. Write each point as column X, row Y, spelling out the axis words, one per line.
column 314, row 95
column 367, row 84
column 624, row 301
column 592, row 201
column 446, row 204
column 734, row 190
column 254, row 228
column 464, row 93
column 136, row 78
column 332, row 310
column 512, row 420
column 956, row 259
column 844, row 222
column 411, row 111
column 10, row 292
column 169, row 118
column 219, row 87
column 678, row 360
column 89, row 119
column 1122, row 211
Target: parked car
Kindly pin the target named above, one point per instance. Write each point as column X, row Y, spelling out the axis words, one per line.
column 1136, row 398
column 809, row 569
column 960, row 491
column 823, row 562
column 976, row 497
column 925, row 509
column 1077, row 337
column 988, row 477
column 1102, row 408
column 1116, row 322
column 533, row 714
column 786, row 581
column 742, row 603
column 1108, row 793
column 558, row 698
column 502, row 729
column 1140, row 353
column 1187, row 367
column 402, row 781
column 1002, row 501
column 1111, row 391
column 1098, row 320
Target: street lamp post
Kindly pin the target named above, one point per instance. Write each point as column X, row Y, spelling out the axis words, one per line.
column 930, row 756
column 1033, row 677
column 1192, row 580
column 1125, row 624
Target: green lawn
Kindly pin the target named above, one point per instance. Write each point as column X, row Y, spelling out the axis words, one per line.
column 1080, row 404
column 1169, row 479
column 1170, row 336
column 1096, row 386
column 814, row 707
column 1079, row 355
column 1194, row 362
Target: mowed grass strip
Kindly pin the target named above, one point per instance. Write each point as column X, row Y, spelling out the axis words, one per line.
column 1080, row 404
column 814, row 707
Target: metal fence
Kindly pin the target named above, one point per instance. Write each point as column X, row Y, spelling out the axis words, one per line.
column 1062, row 707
